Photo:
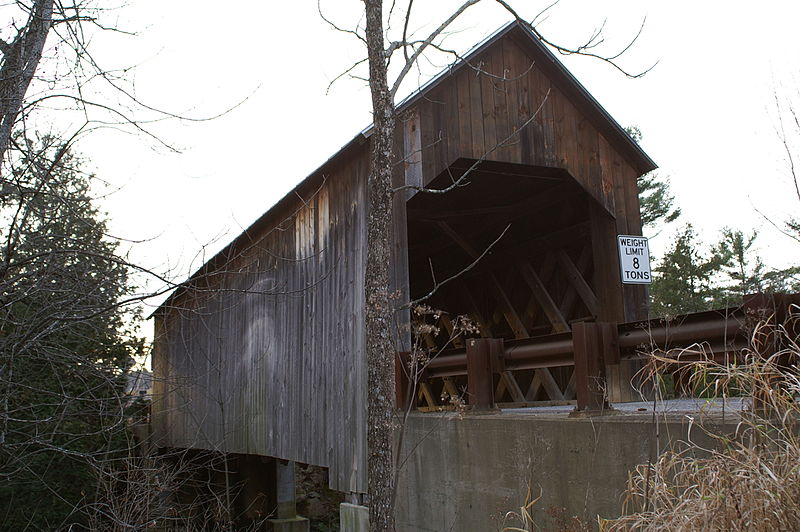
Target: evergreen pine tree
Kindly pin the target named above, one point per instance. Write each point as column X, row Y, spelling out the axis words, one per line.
column 63, row 346
column 685, row 279
column 656, row 202
column 743, row 267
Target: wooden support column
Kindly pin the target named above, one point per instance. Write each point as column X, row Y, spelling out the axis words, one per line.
column 608, row 286
column 284, row 473
column 480, row 388
column 590, row 377
column 287, row 520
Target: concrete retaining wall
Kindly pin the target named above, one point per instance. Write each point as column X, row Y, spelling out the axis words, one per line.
column 464, row 473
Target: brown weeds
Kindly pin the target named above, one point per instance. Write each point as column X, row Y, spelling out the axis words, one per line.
column 749, row 481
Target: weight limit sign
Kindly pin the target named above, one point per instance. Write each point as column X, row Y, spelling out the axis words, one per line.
column 634, row 259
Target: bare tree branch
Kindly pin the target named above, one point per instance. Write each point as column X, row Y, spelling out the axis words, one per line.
column 471, row 265
column 337, row 27
column 417, row 52
column 583, row 49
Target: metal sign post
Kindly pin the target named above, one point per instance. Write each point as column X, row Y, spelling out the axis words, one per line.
column 634, row 259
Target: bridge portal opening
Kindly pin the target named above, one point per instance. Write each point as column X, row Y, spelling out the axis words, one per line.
column 508, row 246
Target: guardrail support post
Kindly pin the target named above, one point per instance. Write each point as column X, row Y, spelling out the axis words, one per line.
column 590, row 378
column 480, row 385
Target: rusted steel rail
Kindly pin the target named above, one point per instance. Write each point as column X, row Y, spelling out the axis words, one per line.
column 590, row 346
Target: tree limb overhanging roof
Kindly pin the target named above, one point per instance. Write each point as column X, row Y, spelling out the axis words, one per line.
column 545, row 60
column 556, row 72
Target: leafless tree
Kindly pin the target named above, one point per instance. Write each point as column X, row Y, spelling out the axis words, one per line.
column 64, row 289
column 49, row 69
column 21, row 54
column 63, row 346
column 408, row 49
column 788, row 131
column 66, row 344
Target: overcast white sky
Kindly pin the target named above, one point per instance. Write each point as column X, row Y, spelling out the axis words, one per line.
column 706, row 109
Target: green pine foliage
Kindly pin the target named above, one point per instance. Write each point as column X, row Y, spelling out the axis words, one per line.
column 656, row 202
column 64, row 348
column 693, row 277
column 685, row 277
column 743, row 268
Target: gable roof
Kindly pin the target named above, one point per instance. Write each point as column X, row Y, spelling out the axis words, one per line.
column 545, row 60
column 557, row 73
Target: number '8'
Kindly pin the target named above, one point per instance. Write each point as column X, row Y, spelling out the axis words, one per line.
column 636, row 262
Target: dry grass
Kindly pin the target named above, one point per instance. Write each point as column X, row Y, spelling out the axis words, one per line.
column 747, row 482
column 522, row 520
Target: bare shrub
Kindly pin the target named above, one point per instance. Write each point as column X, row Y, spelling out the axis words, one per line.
column 177, row 491
column 750, row 481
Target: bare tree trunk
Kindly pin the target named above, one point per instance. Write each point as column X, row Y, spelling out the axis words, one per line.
column 378, row 313
column 20, row 58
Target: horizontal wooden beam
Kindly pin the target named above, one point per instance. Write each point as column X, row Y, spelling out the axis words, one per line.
column 507, row 213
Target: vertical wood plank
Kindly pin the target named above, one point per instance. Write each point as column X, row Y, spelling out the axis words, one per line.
column 512, row 63
column 428, row 134
column 489, row 109
column 543, row 99
column 465, row 146
column 569, row 135
column 607, row 177
column 437, row 102
column 478, row 146
column 502, row 113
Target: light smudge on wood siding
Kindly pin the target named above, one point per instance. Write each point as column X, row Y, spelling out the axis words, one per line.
column 270, row 360
column 263, row 352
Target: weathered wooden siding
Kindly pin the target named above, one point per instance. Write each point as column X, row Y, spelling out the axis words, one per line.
column 268, row 357
column 506, row 105
column 264, row 352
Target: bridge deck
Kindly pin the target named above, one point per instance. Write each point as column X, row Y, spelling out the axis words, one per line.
column 644, row 409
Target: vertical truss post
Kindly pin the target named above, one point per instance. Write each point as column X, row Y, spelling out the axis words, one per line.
column 480, row 388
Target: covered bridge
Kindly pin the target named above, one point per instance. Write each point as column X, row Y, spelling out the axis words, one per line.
column 262, row 353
